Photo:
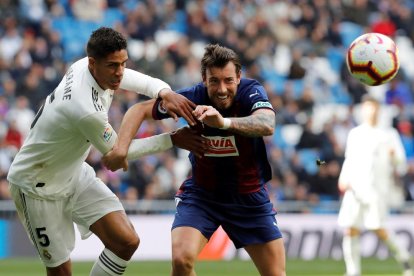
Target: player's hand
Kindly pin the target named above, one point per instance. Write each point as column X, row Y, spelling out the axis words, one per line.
column 191, row 140
column 178, row 106
column 115, row 160
column 209, row 116
column 342, row 187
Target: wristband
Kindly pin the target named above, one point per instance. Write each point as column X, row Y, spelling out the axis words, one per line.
column 226, row 123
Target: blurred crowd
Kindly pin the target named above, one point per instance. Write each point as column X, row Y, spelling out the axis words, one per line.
column 295, row 48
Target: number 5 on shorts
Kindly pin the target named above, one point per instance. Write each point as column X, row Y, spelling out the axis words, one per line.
column 43, row 238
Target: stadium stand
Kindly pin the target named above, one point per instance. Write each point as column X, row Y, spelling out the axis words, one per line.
column 296, row 48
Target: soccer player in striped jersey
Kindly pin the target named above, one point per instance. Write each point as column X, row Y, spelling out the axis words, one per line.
column 228, row 183
column 51, row 183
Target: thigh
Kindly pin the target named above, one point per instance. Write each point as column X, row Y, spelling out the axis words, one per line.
column 114, row 230
column 375, row 215
column 198, row 216
column 49, row 226
column 187, row 241
column 269, row 257
column 92, row 201
column 257, row 227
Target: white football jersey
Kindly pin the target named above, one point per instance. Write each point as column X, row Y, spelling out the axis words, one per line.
column 368, row 166
column 73, row 117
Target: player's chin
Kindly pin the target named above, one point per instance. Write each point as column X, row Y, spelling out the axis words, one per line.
column 114, row 86
column 222, row 105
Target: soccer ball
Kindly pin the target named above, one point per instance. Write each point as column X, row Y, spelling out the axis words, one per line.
column 372, row 58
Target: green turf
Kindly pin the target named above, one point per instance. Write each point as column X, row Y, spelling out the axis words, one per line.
column 24, row 267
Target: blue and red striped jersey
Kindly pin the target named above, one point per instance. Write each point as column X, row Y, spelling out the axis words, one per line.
column 235, row 164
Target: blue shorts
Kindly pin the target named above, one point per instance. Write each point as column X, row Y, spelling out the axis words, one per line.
column 245, row 224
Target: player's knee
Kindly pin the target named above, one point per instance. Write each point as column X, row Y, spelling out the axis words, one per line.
column 64, row 269
column 281, row 271
column 182, row 261
column 353, row 232
column 132, row 243
column 127, row 247
column 381, row 234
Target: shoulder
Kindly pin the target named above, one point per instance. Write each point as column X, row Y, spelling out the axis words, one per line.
column 252, row 94
column 197, row 93
column 78, row 94
column 251, row 89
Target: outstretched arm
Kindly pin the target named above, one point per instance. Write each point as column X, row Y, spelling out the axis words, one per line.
column 175, row 104
column 260, row 123
column 126, row 148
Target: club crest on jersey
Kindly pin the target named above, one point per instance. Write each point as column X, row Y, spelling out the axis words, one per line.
column 222, row 146
column 107, row 134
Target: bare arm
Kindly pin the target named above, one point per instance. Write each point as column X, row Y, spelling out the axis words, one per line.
column 123, row 150
column 176, row 104
column 260, row 123
column 133, row 119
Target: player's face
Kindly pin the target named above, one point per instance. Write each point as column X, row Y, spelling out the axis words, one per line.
column 108, row 71
column 222, row 85
column 370, row 111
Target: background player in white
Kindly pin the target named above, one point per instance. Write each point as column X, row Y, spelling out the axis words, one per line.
column 51, row 183
column 374, row 158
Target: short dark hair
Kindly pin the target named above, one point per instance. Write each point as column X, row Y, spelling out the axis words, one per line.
column 105, row 41
column 218, row 56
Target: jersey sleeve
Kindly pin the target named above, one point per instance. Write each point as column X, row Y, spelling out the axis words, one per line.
column 100, row 133
column 141, row 83
column 97, row 130
column 256, row 98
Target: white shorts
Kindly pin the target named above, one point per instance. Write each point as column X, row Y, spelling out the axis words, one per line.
column 357, row 214
column 49, row 223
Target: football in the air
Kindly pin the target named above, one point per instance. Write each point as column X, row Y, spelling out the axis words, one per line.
column 372, row 58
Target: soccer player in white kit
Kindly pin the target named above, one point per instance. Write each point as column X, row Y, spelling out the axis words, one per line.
column 52, row 185
column 374, row 157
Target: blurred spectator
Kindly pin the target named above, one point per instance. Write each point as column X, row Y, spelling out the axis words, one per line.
column 295, row 48
column 309, row 139
column 21, row 115
column 13, row 136
column 89, row 10
column 11, row 40
column 406, row 132
column 324, row 184
column 384, row 25
column 399, row 92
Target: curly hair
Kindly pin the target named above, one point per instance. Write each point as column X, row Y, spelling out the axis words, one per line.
column 105, row 41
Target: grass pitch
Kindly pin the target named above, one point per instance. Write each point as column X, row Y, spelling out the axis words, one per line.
column 33, row 267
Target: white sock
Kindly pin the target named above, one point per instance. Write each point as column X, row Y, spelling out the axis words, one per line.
column 352, row 255
column 108, row 264
column 399, row 252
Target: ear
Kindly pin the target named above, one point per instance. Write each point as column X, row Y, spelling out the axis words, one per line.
column 204, row 79
column 238, row 77
column 91, row 63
